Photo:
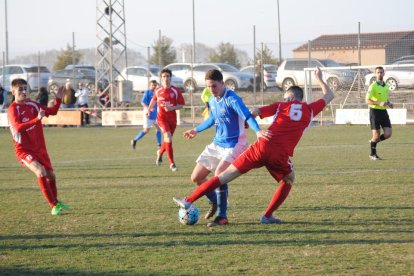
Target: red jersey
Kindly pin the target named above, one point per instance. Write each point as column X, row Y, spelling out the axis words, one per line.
column 170, row 96
column 290, row 121
column 26, row 128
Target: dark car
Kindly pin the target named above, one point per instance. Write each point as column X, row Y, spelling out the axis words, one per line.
column 74, row 76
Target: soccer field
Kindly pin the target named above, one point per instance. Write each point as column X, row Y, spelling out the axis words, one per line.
column 346, row 215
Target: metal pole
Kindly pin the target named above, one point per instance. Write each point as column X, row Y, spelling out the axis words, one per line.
column 159, row 48
column 359, row 56
column 193, row 57
column 262, row 75
column 254, row 65
column 73, row 59
column 7, row 33
column 280, row 39
column 111, row 61
column 38, row 72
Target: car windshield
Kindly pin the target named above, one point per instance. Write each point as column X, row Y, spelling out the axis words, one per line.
column 155, row 70
column 87, row 72
column 271, row 69
column 329, row 63
column 228, row 68
column 35, row 69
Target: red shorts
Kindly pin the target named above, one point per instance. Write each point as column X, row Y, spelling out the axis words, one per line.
column 27, row 158
column 167, row 126
column 260, row 154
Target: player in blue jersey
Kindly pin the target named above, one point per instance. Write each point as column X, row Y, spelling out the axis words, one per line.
column 229, row 114
column 147, row 122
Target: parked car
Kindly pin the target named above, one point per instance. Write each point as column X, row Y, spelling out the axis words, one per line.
column 87, row 76
column 290, row 72
column 269, row 74
column 404, row 58
column 179, row 69
column 396, row 77
column 142, row 75
column 35, row 75
column 232, row 77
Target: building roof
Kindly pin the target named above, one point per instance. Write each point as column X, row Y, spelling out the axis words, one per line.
column 350, row 41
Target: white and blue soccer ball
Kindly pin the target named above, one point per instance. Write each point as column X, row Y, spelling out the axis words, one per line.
column 188, row 216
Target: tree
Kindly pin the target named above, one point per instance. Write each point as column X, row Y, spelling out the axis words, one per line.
column 66, row 57
column 266, row 57
column 202, row 52
column 164, row 53
column 226, row 54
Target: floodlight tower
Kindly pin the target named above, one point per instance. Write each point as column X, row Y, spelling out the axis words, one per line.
column 111, row 54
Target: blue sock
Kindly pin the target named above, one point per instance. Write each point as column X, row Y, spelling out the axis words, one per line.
column 158, row 135
column 212, row 197
column 222, row 193
column 139, row 135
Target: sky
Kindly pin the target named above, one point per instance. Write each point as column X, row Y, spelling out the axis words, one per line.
column 39, row 25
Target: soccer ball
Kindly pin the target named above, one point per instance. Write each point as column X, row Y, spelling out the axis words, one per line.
column 188, row 216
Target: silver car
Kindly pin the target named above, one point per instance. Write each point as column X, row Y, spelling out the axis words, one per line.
column 232, row 77
column 269, row 74
column 290, row 72
column 142, row 75
column 396, row 77
column 36, row 76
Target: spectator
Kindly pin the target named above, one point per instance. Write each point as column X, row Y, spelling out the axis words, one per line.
column 104, row 97
column 82, row 94
column 69, row 98
column 3, row 98
column 42, row 97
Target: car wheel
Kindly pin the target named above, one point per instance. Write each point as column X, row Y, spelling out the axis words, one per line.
column 53, row 88
column 392, row 83
column 189, row 86
column 287, row 83
column 333, row 83
column 231, row 84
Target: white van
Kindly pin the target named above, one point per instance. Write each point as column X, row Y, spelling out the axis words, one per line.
column 35, row 75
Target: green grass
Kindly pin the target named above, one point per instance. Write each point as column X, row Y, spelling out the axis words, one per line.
column 346, row 215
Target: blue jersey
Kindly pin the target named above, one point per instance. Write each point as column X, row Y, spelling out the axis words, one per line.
column 146, row 99
column 228, row 114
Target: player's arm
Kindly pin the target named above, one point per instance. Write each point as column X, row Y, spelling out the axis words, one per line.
column 151, row 105
column 190, row 134
column 54, row 109
column 328, row 95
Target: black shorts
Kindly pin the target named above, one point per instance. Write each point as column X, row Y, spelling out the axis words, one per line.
column 379, row 118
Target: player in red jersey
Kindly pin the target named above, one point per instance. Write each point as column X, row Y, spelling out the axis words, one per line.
column 169, row 99
column 291, row 118
column 25, row 120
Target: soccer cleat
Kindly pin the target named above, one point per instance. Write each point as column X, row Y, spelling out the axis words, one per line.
column 56, row 210
column 133, row 144
column 211, row 211
column 62, row 205
column 218, row 221
column 270, row 220
column 158, row 161
column 374, row 157
column 173, row 167
column 182, row 202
